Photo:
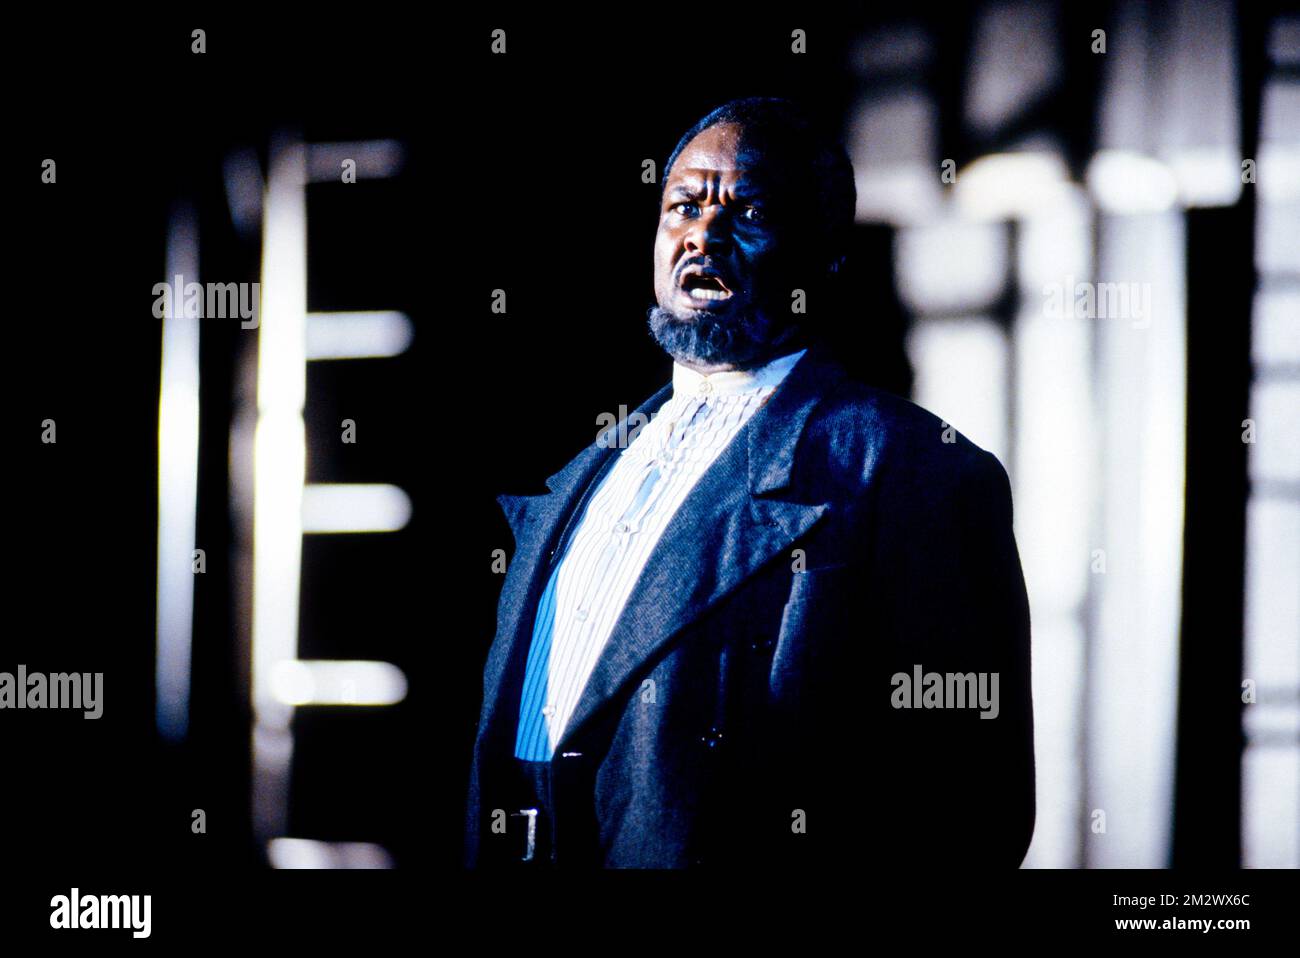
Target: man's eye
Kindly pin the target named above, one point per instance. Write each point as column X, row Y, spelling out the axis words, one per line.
column 685, row 209
column 753, row 214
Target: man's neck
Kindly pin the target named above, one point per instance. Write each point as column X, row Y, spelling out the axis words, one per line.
column 792, row 342
column 705, row 369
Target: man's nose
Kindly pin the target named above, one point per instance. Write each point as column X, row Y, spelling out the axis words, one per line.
column 710, row 232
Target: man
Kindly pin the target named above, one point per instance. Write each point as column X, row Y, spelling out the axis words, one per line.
column 786, row 625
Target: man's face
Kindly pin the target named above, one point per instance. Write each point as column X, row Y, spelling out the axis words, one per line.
column 723, row 276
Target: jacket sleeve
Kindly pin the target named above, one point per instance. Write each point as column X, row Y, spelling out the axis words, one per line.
column 997, row 591
column 961, row 780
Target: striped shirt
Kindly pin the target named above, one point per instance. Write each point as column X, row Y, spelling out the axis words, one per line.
column 624, row 519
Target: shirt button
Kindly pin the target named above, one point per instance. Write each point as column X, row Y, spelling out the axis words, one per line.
column 712, row 738
column 548, row 710
column 706, row 387
column 621, row 528
column 580, row 615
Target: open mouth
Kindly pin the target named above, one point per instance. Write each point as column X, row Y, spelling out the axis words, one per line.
column 705, row 287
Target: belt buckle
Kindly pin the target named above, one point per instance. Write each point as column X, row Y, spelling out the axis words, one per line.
column 530, row 847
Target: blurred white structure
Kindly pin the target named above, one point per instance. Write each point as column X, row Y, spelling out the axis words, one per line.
column 1086, row 411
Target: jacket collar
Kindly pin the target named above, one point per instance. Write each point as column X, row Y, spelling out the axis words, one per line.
column 687, row 381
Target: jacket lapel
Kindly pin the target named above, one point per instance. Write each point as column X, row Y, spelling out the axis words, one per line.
column 536, row 522
column 733, row 522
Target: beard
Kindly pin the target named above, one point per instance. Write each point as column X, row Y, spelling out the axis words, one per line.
column 704, row 338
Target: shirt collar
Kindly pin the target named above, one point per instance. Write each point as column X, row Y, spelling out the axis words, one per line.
column 732, row 382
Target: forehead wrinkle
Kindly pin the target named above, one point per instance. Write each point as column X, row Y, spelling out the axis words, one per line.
column 707, row 181
column 699, row 178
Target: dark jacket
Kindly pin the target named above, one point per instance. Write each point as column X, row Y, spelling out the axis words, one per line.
column 744, row 710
